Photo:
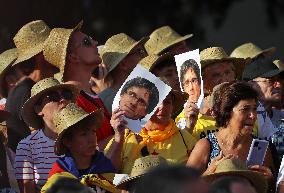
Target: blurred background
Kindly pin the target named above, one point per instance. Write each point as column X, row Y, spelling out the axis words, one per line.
column 226, row 23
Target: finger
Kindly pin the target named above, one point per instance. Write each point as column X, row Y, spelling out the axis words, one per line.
column 118, row 114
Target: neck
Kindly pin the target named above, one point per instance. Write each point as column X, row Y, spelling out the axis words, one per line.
column 233, row 138
column 49, row 131
column 79, row 77
column 82, row 162
column 153, row 125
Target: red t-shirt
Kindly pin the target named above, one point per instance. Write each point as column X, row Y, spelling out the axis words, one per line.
column 90, row 104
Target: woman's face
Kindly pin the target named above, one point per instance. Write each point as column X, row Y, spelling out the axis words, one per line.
column 243, row 116
column 83, row 141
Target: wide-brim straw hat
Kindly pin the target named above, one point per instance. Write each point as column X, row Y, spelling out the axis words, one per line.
column 141, row 167
column 236, row 167
column 250, row 50
column 56, row 45
column 163, row 38
column 6, row 60
column 214, row 55
column 38, row 90
column 150, row 61
column 279, row 64
column 70, row 116
column 117, row 48
column 30, row 40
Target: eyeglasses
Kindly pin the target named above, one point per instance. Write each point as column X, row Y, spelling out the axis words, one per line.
column 133, row 96
column 270, row 81
column 86, row 42
column 193, row 81
column 55, row 96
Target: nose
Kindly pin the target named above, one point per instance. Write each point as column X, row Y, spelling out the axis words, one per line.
column 252, row 115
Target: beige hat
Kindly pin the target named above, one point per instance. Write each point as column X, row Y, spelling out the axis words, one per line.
column 117, row 48
column 217, row 54
column 152, row 60
column 68, row 117
column 236, row 167
column 30, row 39
column 38, row 90
column 250, row 50
column 279, row 64
column 162, row 38
column 142, row 166
column 55, row 47
column 6, row 60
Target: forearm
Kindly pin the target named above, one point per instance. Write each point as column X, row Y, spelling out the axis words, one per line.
column 27, row 186
column 114, row 153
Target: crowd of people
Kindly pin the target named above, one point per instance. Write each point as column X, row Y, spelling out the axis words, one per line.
column 59, row 132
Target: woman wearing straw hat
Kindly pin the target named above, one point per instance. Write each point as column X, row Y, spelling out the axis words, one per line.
column 35, row 154
column 235, row 109
column 160, row 136
column 77, row 142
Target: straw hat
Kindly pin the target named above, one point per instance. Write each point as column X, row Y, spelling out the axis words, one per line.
column 152, row 60
column 216, row 55
column 38, row 90
column 141, row 167
column 250, row 50
column 69, row 116
column 6, row 60
column 55, row 47
column 117, row 48
column 279, row 64
column 162, row 38
column 30, row 39
column 236, row 167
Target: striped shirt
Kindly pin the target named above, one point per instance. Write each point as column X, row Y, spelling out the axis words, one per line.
column 34, row 158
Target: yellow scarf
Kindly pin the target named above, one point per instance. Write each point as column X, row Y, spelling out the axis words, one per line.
column 160, row 134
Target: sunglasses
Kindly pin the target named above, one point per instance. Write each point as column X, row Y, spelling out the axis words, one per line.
column 55, row 96
column 86, row 42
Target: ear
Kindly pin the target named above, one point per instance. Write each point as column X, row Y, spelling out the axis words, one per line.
column 10, row 80
column 38, row 110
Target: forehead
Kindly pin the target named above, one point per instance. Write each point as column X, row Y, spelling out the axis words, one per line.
column 220, row 66
column 76, row 37
column 190, row 72
column 246, row 102
column 137, row 89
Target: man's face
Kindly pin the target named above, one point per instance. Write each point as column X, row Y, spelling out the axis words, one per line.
column 169, row 72
column 164, row 111
column 242, row 188
column 269, row 89
column 53, row 102
column 218, row 73
column 135, row 102
column 132, row 59
column 85, row 48
column 191, row 85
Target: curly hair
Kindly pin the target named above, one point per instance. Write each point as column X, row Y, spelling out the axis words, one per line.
column 185, row 66
column 228, row 97
column 144, row 83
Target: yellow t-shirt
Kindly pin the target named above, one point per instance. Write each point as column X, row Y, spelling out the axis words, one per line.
column 205, row 125
column 175, row 149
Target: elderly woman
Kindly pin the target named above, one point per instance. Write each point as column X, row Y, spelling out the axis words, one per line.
column 235, row 110
column 160, row 136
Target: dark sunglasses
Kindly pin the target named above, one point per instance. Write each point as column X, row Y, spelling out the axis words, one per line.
column 87, row 41
column 56, row 96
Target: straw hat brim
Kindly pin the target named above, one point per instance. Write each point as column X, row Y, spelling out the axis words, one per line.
column 122, row 184
column 58, row 147
column 150, row 63
column 239, row 64
column 254, row 177
column 174, row 42
column 28, row 112
column 23, row 56
column 4, row 115
column 123, row 55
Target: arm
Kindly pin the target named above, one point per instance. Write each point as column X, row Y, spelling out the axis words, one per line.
column 199, row 156
column 27, row 186
column 114, row 150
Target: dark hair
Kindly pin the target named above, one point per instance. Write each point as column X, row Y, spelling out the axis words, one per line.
column 144, row 83
column 166, row 179
column 68, row 185
column 223, row 184
column 185, row 66
column 164, row 63
column 228, row 97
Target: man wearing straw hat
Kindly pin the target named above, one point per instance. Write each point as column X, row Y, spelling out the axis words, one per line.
column 30, row 67
column 76, row 55
column 165, row 39
column 35, row 154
